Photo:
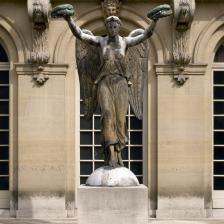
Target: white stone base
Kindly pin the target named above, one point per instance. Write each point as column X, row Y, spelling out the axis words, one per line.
column 110, row 205
column 107, row 176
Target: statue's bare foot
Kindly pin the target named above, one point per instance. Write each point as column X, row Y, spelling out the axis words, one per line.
column 113, row 163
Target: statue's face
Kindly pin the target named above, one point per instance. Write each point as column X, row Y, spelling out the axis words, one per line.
column 111, row 10
column 113, row 28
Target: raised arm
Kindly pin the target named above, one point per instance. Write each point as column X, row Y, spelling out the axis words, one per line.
column 154, row 14
column 91, row 39
column 132, row 41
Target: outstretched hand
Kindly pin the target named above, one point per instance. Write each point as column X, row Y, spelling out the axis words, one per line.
column 159, row 12
column 64, row 10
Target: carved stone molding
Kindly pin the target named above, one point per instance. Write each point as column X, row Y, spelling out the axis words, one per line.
column 39, row 73
column 38, row 11
column 111, row 7
column 183, row 14
column 180, row 76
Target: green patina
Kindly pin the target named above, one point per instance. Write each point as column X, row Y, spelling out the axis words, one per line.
column 63, row 10
column 159, row 11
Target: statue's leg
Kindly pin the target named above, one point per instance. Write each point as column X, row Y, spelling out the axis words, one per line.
column 113, row 161
column 108, row 124
column 119, row 158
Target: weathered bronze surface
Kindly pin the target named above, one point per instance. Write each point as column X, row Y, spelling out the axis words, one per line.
column 112, row 71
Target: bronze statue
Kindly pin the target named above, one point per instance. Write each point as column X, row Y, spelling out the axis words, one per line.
column 112, row 71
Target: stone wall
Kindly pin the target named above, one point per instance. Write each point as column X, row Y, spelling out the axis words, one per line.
column 44, row 168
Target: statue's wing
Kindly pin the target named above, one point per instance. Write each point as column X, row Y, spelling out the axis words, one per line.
column 88, row 63
column 137, row 66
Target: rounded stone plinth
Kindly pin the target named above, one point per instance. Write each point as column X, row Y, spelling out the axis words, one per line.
column 108, row 176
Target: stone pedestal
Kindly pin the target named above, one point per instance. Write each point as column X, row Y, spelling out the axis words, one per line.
column 100, row 205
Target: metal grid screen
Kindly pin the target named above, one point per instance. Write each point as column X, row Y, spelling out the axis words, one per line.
column 91, row 153
column 218, row 130
column 4, row 121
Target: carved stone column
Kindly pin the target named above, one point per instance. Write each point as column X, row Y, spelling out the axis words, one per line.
column 183, row 14
column 38, row 11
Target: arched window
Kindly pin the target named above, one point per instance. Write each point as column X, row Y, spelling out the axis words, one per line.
column 4, row 127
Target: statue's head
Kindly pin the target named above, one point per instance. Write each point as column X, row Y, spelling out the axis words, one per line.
column 113, row 25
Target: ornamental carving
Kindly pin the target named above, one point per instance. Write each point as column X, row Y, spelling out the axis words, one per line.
column 38, row 13
column 111, row 7
column 183, row 14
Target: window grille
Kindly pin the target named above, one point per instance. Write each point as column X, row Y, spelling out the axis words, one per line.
column 4, row 120
column 91, row 153
column 218, row 130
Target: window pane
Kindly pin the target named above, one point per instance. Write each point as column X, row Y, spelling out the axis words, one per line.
column 81, row 108
column 219, row 56
column 136, row 153
column 124, row 153
column 4, row 138
column 218, row 107
column 86, row 153
column 97, row 137
column 4, row 77
column 4, row 107
column 218, row 92
column 135, row 123
column 4, row 183
column 218, row 183
column 98, row 164
column 4, row 122
column 98, row 153
column 140, row 179
column 218, row 138
column 136, row 138
column 126, row 165
column 4, row 92
column 4, row 168
column 86, row 168
column 218, row 77
column 85, row 124
column 3, row 55
column 219, row 153
column 136, row 168
column 219, row 123
column 218, row 167
column 4, row 153
column 86, row 138
column 97, row 123
column 83, row 180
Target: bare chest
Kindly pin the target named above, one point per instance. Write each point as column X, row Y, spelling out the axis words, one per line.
column 112, row 50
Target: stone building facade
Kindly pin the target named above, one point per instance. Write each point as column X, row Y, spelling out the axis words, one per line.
column 47, row 149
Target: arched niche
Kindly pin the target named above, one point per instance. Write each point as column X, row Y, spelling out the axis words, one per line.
column 209, row 40
column 93, row 21
column 12, row 41
column 16, row 50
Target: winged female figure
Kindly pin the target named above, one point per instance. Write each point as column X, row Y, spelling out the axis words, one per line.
column 112, row 71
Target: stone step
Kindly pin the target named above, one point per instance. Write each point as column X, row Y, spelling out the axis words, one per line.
column 74, row 221
column 38, row 221
column 189, row 221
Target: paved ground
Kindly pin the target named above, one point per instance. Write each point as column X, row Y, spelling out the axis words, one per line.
column 74, row 221
column 204, row 221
